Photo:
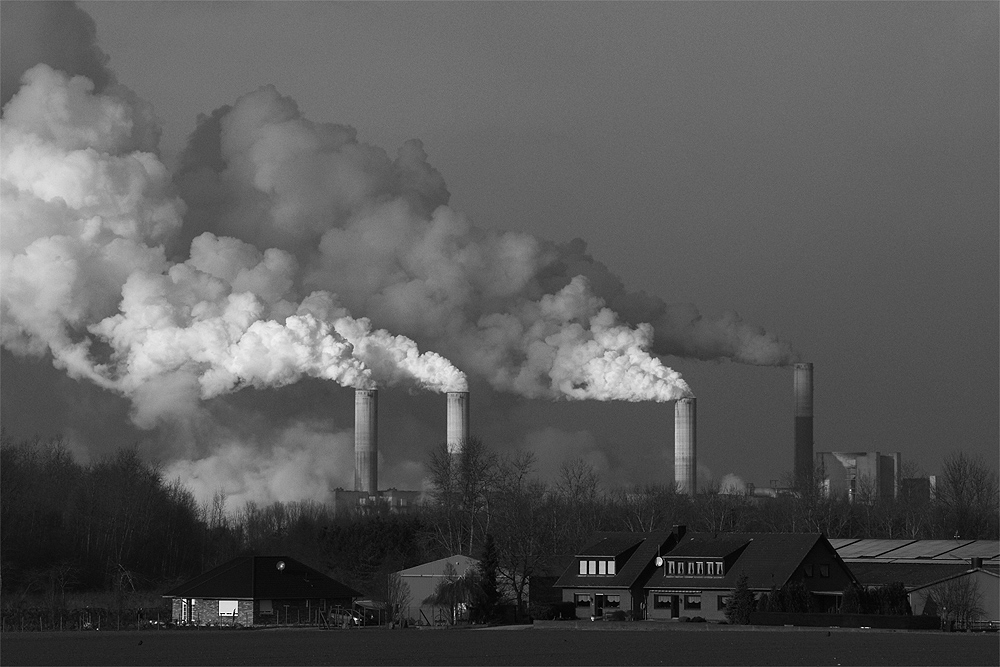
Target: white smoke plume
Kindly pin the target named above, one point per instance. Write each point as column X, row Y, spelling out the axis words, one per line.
column 732, row 484
column 86, row 207
column 301, row 462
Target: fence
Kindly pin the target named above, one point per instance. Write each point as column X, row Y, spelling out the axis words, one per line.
column 47, row 619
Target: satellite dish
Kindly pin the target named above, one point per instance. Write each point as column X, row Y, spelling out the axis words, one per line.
column 280, row 565
column 659, row 561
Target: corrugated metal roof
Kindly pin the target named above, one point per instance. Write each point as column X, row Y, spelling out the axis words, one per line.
column 925, row 549
column 841, row 542
column 436, row 568
column 258, row 577
column 985, row 549
column 871, row 548
column 917, row 550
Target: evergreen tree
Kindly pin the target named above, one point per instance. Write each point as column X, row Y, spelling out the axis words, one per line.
column 741, row 603
column 488, row 603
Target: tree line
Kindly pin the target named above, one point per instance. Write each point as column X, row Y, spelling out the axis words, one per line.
column 118, row 525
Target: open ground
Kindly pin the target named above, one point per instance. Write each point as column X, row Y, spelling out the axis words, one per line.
column 491, row 647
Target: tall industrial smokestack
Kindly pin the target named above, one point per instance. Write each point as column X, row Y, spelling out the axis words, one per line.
column 803, row 460
column 458, row 421
column 366, row 440
column 685, row 442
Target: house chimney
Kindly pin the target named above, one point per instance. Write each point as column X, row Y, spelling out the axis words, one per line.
column 802, row 466
column 458, row 421
column 977, row 563
column 366, row 440
column 678, row 530
column 685, row 440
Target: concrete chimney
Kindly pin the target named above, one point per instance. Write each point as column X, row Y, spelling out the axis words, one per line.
column 366, row 440
column 685, row 440
column 803, row 457
column 458, row 421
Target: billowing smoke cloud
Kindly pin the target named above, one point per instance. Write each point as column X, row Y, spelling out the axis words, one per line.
column 86, row 209
column 302, row 462
column 528, row 316
column 243, row 268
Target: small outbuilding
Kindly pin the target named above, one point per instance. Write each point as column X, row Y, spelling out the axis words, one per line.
column 422, row 582
column 261, row 590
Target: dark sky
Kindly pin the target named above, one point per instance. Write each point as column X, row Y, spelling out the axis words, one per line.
column 828, row 170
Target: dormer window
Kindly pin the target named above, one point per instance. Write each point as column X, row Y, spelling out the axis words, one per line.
column 711, row 569
column 701, row 567
column 670, row 567
column 597, row 567
column 690, row 567
column 718, row 568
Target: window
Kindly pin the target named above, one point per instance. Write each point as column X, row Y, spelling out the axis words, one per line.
column 692, row 602
column 690, row 567
column 807, row 570
column 583, row 567
column 824, row 570
column 670, row 567
column 265, row 607
column 722, row 602
column 613, row 601
column 582, row 600
column 701, row 567
column 661, row 601
column 711, row 568
column 228, row 607
column 611, row 567
column 718, row 568
column 592, row 567
column 602, row 567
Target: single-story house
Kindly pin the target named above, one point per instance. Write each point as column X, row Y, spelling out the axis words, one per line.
column 697, row 576
column 260, row 590
column 608, row 574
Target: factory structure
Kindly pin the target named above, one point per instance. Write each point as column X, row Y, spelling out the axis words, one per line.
column 840, row 473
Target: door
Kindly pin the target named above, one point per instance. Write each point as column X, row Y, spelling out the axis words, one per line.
column 675, row 606
column 599, row 605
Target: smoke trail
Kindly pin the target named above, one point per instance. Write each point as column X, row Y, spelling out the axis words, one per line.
column 533, row 317
column 85, row 206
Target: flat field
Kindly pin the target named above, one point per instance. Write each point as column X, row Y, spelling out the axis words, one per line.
column 376, row 646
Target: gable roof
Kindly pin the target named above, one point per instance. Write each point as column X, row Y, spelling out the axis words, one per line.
column 436, row 568
column 768, row 559
column 645, row 548
column 258, row 577
column 610, row 545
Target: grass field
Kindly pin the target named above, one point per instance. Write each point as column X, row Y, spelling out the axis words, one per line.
column 534, row 646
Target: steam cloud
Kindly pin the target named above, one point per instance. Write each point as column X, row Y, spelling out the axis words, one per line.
column 243, row 268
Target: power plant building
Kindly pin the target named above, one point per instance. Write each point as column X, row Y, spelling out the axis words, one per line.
column 856, row 474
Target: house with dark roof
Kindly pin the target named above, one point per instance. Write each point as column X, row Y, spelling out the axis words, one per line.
column 698, row 575
column 608, row 574
column 260, row 590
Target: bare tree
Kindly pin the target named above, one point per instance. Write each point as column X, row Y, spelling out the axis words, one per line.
column 398, row 599
column 968, row 497
column 958, row 599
